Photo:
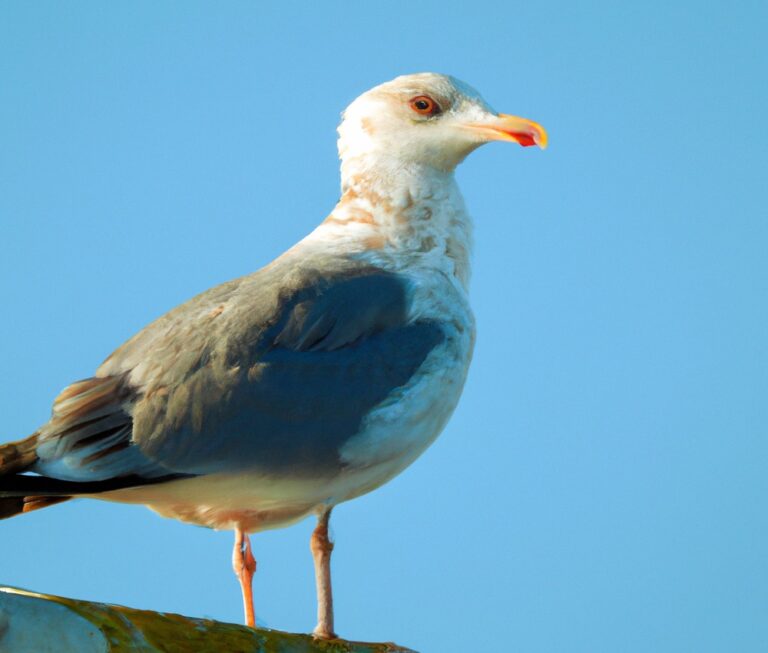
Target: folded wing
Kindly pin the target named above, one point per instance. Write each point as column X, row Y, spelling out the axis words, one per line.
column 272, row 372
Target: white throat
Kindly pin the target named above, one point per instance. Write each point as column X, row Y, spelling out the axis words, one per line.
column 400, row 217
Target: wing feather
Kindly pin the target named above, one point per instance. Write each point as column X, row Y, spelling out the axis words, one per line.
column 274, row 371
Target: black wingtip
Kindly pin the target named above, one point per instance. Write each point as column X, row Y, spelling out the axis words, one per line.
column 11, row 506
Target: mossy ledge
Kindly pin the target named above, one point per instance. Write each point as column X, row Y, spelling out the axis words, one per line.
column 43, row 623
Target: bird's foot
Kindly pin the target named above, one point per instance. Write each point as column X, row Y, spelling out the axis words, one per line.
column 244, row 565
column 324, row 633
column 321, row 547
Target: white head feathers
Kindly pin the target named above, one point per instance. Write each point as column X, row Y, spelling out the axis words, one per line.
column 385, row 126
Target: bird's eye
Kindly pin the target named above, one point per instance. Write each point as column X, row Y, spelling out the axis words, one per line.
column 425, row 106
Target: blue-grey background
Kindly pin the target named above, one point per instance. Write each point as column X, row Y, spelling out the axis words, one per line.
column 602, row 485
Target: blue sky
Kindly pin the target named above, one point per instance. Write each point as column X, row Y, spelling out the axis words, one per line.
column 602, row 484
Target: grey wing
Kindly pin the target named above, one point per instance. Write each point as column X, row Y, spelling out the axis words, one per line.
column 90, row 437
column 289, row 399
column 267, row 372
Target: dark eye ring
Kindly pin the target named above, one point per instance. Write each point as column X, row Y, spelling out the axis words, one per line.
column 424, row 105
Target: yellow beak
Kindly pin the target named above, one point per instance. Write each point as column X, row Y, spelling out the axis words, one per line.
column 511, row 128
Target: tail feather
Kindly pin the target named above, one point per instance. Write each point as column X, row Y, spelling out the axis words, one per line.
column 12, row 506
column 15, row 458
column 18, row 456
column 25, row 492
column 22, row 492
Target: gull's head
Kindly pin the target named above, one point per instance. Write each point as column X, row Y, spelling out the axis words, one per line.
column 429, row 120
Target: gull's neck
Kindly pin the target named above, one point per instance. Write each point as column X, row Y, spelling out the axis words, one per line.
column 401, row 217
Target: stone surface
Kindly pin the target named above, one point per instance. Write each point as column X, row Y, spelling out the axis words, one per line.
column 40, row 623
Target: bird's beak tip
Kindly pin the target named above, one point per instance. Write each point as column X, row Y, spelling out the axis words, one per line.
column 521, row 130
column 504, row 127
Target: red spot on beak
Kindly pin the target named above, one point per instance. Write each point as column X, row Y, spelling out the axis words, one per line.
column 526, row 140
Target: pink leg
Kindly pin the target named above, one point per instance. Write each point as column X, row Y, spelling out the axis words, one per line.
column 321, row 547
column 244, row 565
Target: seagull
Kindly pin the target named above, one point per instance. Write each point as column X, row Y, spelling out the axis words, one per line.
column 309, row 382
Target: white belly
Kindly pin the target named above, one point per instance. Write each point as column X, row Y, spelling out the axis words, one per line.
column 252, row 502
